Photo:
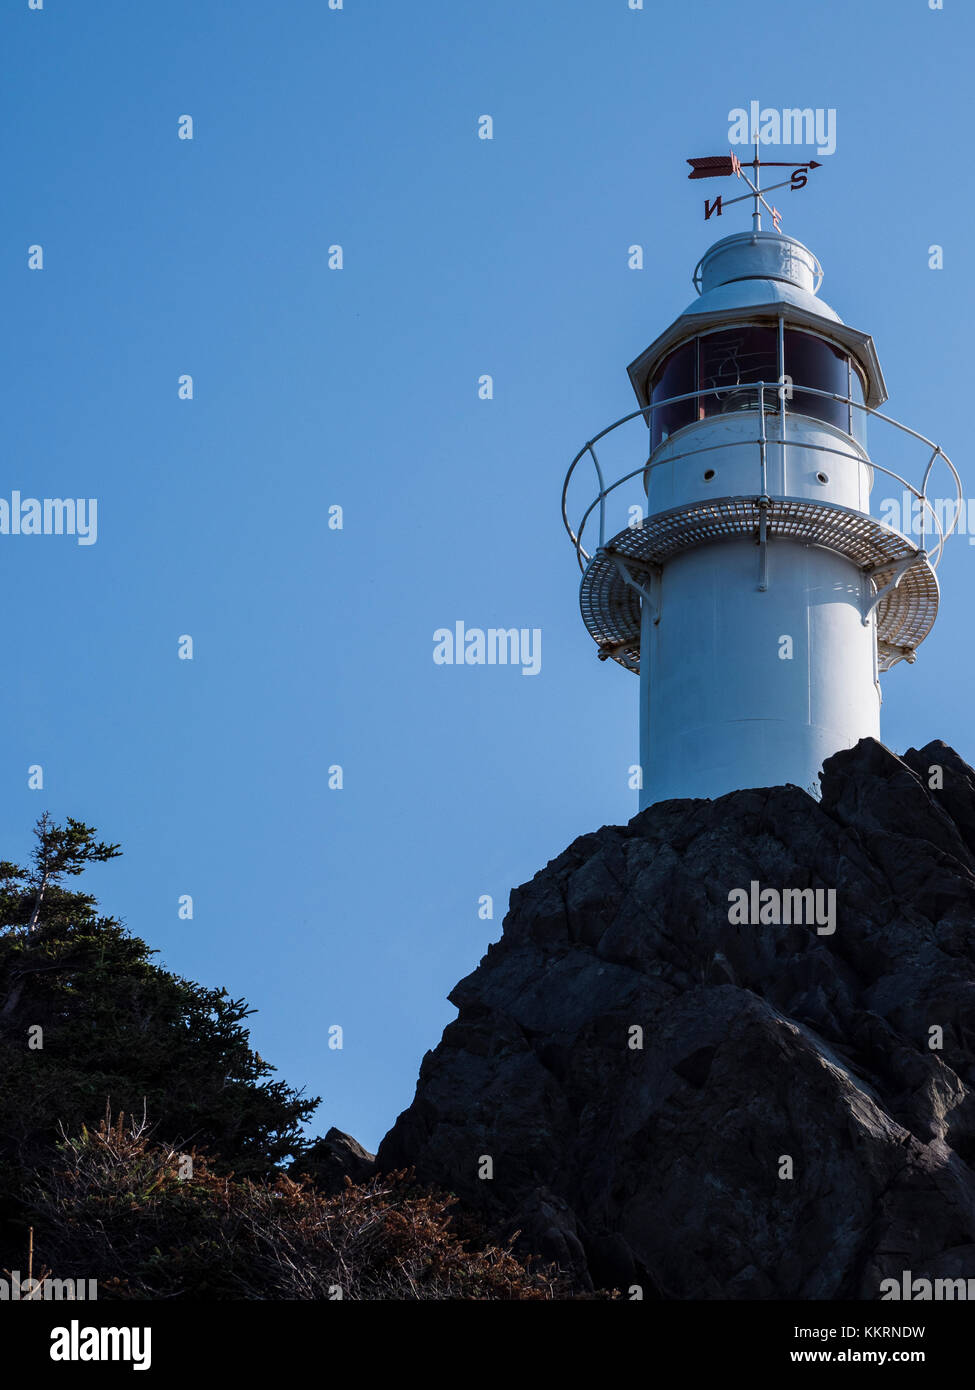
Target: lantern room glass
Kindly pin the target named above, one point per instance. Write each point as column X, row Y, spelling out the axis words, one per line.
column 811, row 361
column 728, row 365
column 719, row 371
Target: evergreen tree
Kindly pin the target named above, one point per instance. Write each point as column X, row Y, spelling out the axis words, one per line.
column 87, row 1019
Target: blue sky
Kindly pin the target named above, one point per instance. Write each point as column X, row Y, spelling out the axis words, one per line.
column 316, row 387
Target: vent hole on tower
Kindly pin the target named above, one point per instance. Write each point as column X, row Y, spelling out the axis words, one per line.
column 708, row 474
column 822, row 477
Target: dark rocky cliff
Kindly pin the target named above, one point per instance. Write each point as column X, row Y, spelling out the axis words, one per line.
column 661, row 1165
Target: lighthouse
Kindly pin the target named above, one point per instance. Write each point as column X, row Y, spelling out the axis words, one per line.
column 731, row 551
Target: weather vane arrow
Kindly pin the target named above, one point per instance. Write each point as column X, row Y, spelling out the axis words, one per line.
column 718, row 166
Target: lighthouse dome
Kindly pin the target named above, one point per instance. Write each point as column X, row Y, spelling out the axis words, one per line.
column 754, row 269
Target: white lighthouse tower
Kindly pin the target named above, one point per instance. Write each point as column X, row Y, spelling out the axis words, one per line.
column 738, row 568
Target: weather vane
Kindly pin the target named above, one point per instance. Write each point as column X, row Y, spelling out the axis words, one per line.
column 723, row 165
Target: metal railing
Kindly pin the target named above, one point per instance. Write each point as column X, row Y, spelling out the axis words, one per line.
column 763, row 443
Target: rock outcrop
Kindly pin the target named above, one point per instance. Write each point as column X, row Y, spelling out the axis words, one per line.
column 712, row 1108
column 332, row 1159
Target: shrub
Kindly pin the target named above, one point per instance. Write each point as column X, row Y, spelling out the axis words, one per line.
column 147, row 1224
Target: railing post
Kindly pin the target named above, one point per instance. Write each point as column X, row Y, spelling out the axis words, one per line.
column 602, row 498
